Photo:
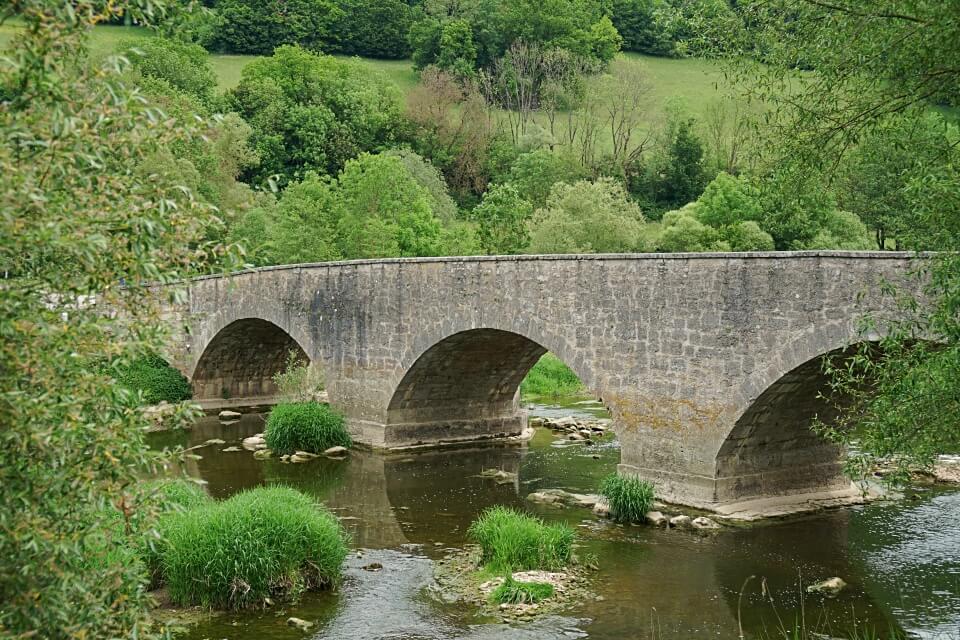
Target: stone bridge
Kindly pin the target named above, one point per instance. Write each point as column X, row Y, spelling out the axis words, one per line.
column 709, row 363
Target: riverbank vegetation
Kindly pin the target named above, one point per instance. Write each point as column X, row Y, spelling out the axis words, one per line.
column 517, row 592
column 550, row 377
column 305, row 426
column 268, row 542
column 155, row 380
column 629, row 498
column 514, row 541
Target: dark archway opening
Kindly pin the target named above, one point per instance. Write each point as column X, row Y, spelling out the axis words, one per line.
column 238, row 366
column 773, row 449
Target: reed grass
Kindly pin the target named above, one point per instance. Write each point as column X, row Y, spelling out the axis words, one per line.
column 305, row 426
column 629, row 498
column 514, row 541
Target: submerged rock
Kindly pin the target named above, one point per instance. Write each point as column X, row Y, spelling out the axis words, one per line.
column 231, row 449
column 704, row 523
column 303, row 456
column 829, row 587
column 681, row 522
column 499, row 475
column 657, row 519
column 542, row 497
column 262, row 454
column 229, row 415
column 254, row 442
column 299, row 623
column 336, row 451
column 601, row 509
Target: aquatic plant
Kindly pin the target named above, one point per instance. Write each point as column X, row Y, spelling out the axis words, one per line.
column 156, row 380
column 305, row 426
column 550, row 377
column 164, row 498
column 514, row 541
column 628, row 497
column 517, row 592
column 264, row 542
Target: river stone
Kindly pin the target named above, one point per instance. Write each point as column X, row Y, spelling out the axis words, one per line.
column 536, row 422
column 299, row 458
column 335, row 451
column 829, row 587
column 299, row 623
column 542, row 497
column 704, row 523
column 254, row 442
column 229, row 415
column 231, row 449
column 262, row 454
column 656, row 518
column 601, row 509
column 680, row 522
column 215, row 441
column 576, row 437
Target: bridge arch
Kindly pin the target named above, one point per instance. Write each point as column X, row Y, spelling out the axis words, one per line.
column 771, row 449
column 464, row 386
column 238, row 362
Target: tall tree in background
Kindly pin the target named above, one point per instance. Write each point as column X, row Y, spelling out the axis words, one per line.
column 85, row 226
column 865, row 63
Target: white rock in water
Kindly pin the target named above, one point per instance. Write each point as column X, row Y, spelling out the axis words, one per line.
column 299, row 623
column 601, row 509
column 262, row 454
column 542, row 497
column 298, row 458
column 704, row 523
column 656, row 518
column 253, row 442
column 229, row 415
column 680, row 522
column 336, row 451
column 829, row 587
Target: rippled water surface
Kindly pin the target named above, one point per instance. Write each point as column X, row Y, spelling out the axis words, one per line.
column 901, row 560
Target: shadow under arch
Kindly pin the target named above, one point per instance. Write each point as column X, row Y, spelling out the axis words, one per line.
column 238, row 364
column 772, row 449
column 464, row 387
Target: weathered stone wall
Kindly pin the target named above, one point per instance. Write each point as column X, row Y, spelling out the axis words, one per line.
column 679, row 346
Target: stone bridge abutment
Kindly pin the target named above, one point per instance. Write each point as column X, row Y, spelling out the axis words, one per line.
column 710, row 363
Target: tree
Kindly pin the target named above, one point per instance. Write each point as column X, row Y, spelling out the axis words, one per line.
column 728, row 200
column 86, row 227
column 683, row 177
column 312, row 112
column 534, row 173
column 502, row 220
column 636, row 21
column 430, row 178
column 186, row 67
column 682, row 232
column 260, row 26
column 587, row 217
column 875, row 176
column 457, row 52
column 373, row 28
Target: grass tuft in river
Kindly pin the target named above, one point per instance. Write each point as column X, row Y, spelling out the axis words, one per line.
column 516, row 592
column 265, row 542
column 629, row 498
column 305, row 426
column 514, row 541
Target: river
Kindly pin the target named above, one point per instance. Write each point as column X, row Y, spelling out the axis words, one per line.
column 900, row 559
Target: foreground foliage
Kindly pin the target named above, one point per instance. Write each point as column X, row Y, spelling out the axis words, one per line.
column 514, row 541
column 628, row 497
column 305, row 426
column 84, row 224
column 264, row 542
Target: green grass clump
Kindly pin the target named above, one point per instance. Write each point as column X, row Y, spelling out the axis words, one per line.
column 165, row 498
column 514, row 541
column 550, row 377
column 629, row 497
column 305, row 426
column 157, row 380
column 516, row 592
column 264, row 542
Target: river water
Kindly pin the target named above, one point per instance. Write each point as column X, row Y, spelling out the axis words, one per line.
column 900, row 559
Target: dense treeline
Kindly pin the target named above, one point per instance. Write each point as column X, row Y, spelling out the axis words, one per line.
column 450, row 33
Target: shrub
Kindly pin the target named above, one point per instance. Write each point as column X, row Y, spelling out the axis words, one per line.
column 515, row 541
column 185, row 66
column 264, row 542
column 157, row 380
column 629, row 498
column 515, row 592
column 550, row 377
column 299, row 380
column 305, row 426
